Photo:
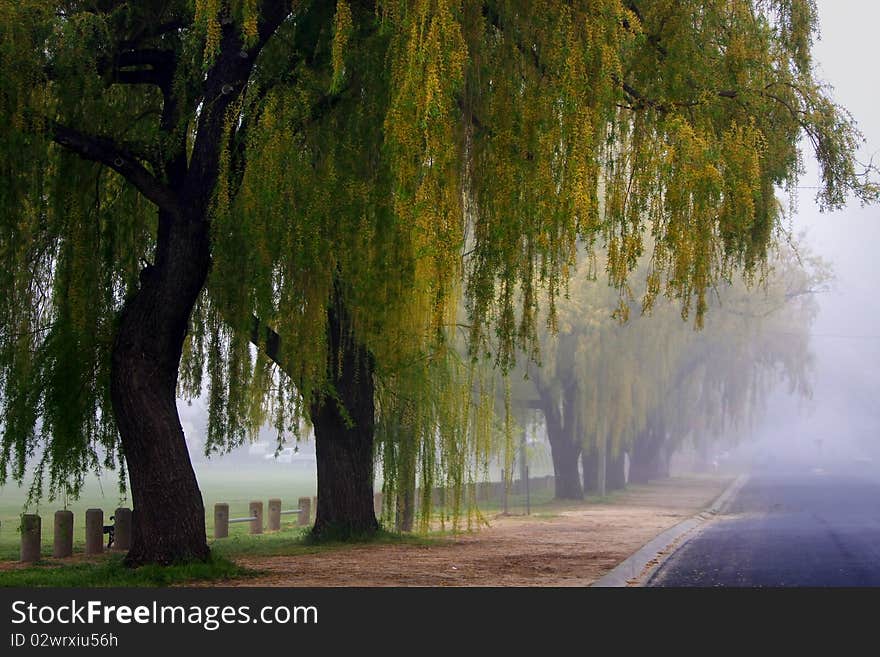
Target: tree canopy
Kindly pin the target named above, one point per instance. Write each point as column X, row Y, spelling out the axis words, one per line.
column 240, row 171
column 653, row 385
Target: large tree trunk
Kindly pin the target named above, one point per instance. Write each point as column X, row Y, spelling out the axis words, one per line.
column 343, row 424
column 649, row 460
column 565, row 446
column 590, row 470
column 169, row 515
column 565, row 466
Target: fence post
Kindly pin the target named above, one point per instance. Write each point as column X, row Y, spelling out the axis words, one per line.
column 94, row 531
column 256, row 511
column 122, row 528
column 221, row 520
column 31, row 537
column 63, row 536
column 274, row 514
column 304, row 511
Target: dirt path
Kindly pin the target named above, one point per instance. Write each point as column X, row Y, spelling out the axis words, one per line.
column 573, row 548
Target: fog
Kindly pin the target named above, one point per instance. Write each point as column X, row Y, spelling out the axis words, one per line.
column 843, row 413
column 840, row 420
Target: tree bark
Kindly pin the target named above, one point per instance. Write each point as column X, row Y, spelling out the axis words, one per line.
column 344, row 422
column 168, row 512
column 565, row 449
column 565, row 466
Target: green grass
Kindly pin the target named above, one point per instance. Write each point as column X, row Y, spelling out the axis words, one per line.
column 236, row 486
column 112, row 572
column 299, row 541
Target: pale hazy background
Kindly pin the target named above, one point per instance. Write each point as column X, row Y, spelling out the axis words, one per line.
column 846, row 336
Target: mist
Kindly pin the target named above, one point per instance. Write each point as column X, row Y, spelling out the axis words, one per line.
column 840, row 421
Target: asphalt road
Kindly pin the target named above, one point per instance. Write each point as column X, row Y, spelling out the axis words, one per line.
column 803, row 526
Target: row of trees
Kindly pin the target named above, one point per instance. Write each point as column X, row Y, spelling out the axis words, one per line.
column 187, row 183
column 652, row 385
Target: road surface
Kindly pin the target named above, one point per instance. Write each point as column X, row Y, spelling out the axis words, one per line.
column 788, row 527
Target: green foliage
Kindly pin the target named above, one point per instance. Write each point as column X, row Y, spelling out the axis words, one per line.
column 622, row 382
column 406, row 153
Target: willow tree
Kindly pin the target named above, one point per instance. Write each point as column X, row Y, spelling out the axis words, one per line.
column 756, row 339
column 113, row 115
column 651, row 385
column 337, row 173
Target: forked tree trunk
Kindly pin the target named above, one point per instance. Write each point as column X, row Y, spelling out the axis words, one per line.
column 565, row 445
column 344, row 423
column 168, row 512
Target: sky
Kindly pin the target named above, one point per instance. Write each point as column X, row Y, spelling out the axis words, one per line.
column 846, row 334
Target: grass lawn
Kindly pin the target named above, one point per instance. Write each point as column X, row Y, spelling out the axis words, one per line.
column 235, row 486
column 110, row 571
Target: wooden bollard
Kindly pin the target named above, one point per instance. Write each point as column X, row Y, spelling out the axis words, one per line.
column 304, row 511
column 62, row 541
column 94, row 531
column 31, row 537
column 377, row 503
column 274, row 515
column 221, row 520
column 122, row 530
column 256, row 512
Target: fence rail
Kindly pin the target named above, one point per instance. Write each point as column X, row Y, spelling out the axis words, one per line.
column 255, row 516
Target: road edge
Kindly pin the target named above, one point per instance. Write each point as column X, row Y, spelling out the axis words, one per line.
column 638, row 568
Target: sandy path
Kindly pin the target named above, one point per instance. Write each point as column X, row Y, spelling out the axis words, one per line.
column 574, row 548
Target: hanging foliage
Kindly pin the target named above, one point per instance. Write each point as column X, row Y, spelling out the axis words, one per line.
column 391, row 158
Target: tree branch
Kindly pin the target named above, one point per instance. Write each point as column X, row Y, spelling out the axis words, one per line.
column 269, row 344
column 641, row 100
column 109, row 153
column 224, row 84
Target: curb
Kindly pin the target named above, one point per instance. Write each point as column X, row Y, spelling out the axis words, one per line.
column 637, row 569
